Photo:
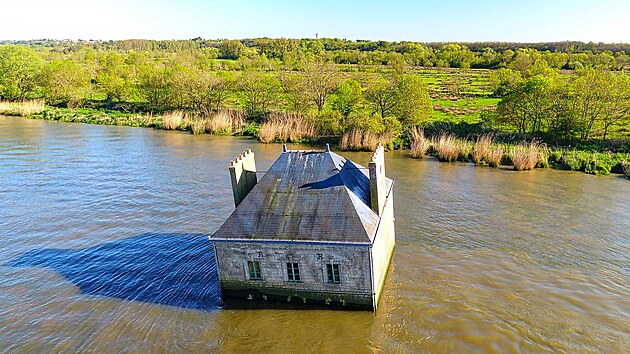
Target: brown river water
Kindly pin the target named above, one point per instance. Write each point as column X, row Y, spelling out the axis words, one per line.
column 104, row 249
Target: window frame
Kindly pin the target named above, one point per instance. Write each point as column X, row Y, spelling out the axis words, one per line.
column 333, row 273
column 293, row 272
column 256, row 268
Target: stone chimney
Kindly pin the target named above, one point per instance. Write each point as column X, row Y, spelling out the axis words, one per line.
column 243, row 175
column 377, row 179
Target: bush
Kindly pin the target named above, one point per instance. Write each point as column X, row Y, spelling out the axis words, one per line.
column 599, row 163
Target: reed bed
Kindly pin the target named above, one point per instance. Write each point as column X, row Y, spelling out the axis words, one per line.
column 525, row 156
column 220, row 123
column 172, row 120
column 359, row 140
column 494, row 155
column 482, row 149
column 286, row 127
column 447, row 147
column 22, row 108
column 625, row 167
column 199, row 125
column 419, row 143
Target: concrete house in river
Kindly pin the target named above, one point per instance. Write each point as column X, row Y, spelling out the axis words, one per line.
column 316, row 229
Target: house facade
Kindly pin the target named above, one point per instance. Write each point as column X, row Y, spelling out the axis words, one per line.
column 316, row 229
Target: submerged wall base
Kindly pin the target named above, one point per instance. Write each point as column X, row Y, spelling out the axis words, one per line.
column 262, row 295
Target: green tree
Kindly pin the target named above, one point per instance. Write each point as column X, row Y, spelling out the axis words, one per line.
column 293, row 86
column 504, row 81
column 64, row 81
column 413, row 104
column 381, row 93
column 154, row 85
column 114, row 79
column 527, row 106
column 20, row 69
column 321, row 80
column 232, row 49
column 348, row 97
column 617, row 98
column 590, row 91
column 258, row 93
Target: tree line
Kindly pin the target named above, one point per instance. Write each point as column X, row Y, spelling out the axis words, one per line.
column 290, row 52
column 536, row 97
column 540, row 100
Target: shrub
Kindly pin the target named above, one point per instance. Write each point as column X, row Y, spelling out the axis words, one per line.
column 482, row 148
column 525, row 156
column 495, row 155
column 419, row 143
column 172, row 120
column 598, row 163
column 625, row 167
column 555, row 156
column 573, row 160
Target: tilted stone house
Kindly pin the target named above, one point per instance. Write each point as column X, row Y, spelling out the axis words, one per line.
column 316, row 229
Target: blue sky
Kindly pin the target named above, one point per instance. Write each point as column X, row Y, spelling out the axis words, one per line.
column 424, row 21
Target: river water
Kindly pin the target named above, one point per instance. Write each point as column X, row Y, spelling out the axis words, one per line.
column 104, row 249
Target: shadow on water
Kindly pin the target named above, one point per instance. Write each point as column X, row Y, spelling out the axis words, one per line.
column 169, row 269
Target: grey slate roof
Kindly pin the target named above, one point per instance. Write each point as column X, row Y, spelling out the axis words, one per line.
column 307, row 196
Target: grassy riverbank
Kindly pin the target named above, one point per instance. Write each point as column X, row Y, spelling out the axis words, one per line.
column 281, row 127
column 523, row 156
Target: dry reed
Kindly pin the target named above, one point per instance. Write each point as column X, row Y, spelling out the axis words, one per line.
column 447, row 147
column 362, row 140
column 286, row 127
column 525, row 156
column 21, row 108
column 419, row 143
column 220, row 123
column 172, row 120
column 494, row 156
column 625, row 167
column 482, row 148
column 199, row 125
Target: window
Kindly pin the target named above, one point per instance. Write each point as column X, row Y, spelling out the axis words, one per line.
column 293, row 271
column 333, row 273
column 254, row 270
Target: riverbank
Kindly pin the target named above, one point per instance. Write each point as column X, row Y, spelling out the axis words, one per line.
column 524, row 156
column 287, row 128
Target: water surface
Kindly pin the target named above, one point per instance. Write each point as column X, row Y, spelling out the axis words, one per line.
column 104, row 249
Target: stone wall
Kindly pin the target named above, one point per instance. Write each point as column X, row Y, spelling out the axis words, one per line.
column 383, row 248
column 355, row 272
